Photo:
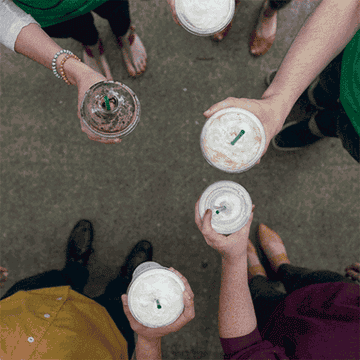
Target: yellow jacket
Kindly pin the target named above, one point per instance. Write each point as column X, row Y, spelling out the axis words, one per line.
column 58, row 323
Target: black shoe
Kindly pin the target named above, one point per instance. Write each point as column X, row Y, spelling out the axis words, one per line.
column 143, row 251
column 297, row 135
column 80, row 240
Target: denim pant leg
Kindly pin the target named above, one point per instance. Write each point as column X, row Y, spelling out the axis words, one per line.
column 74, row 275
column 111, row 301
column 294, row 277
column 265, row 299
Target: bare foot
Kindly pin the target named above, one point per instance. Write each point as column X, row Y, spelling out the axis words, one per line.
column 133, row 52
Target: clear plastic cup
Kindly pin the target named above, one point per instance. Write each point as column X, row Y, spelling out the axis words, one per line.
column 224, row 148
column 204, row 17
column 110, row 110
column 155, row 295
column 231, row 206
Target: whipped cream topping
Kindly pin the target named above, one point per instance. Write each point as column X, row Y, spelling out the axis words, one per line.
column 153, row 289
column 218, row 133
column 206, row 14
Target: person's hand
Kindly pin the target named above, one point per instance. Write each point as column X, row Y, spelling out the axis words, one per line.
column 230, row 247
column 84, row 81
column 3, row 276
column 268, row 111
column 353, row 271
column 173, row 11
column 156, row 333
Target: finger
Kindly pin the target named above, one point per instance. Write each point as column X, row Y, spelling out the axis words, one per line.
column 3, row 269
column 253, row 208
column 206, row 227
column 189, row 307
column 354, row 274
column 124, row 299
column 229, row 102
column 184, row 280
column 355, row 266
column 198, row 220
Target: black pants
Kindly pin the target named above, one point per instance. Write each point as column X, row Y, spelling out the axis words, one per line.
column 76, row 276
column 333, row 121
column 83, row 29
column 266, row 298
column 279, row 4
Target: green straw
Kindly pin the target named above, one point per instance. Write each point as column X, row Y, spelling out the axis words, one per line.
column 221, row 209
column 158, row 304
column 242, row 132
column 107, row 103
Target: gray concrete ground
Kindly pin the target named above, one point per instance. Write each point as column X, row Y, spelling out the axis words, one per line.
column 146, row 187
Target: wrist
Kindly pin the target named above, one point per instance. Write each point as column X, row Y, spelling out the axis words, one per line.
column 74, row 69
column 231, row 259
column 149, row 341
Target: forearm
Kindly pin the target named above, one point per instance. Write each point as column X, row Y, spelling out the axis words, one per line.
column 236, row 310
column 324, row 35
column 34, row 43
column 148, row 350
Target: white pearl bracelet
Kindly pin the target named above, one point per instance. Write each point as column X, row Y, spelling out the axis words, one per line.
column 54, row 61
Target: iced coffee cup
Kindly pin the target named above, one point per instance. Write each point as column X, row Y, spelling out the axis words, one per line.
column 230, row 204
column 233, row 140
column 110, row 110
column 155, row 295
column 204, row 17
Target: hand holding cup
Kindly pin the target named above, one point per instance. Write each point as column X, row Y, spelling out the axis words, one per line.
column 267, row 110
column 173, row 11
column 84, row 81
column 230, row 247
column 152, row 334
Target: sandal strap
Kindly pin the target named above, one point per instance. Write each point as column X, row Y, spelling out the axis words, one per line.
column 130, row 35
column 91, row 49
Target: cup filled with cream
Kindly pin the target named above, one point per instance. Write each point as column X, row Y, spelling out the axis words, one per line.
column 204, row 17
column 155, row 295
column 233, row 140
column 110, row 110
column 231, row 206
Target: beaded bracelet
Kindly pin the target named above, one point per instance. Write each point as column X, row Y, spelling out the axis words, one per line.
column 62, row 72
column 54, row 61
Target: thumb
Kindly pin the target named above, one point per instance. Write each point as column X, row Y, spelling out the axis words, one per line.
column 207, row 221
column 124, row 300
